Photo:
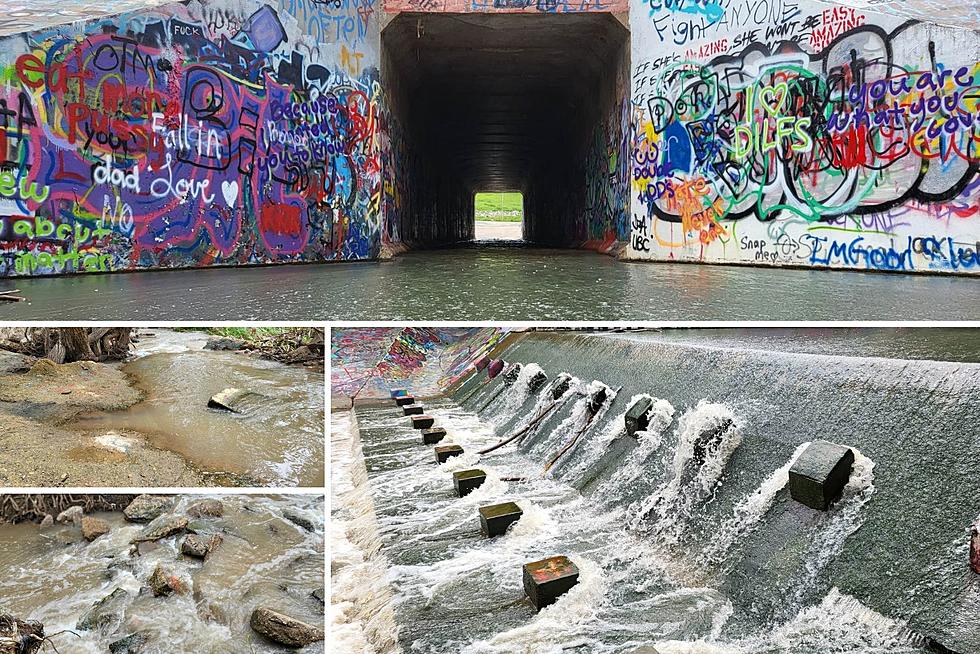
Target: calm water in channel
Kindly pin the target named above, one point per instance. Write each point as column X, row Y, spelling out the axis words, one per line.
column 495, row 282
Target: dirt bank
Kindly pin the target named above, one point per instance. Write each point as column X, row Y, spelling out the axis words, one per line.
column 38, row 447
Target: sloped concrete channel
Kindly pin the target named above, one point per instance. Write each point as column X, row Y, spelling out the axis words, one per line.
column 685, row 542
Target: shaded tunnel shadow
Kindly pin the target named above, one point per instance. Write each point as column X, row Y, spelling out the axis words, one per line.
column 498, row 102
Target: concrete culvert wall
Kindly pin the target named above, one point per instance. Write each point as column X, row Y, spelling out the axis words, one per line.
column 500, row 102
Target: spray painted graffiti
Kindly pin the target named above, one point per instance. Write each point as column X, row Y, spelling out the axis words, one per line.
column 507, row 6
column 811, row 135
column 367, row 362
column 186, row 136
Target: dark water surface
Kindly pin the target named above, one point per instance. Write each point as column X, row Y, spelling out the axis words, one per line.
column 497, row 283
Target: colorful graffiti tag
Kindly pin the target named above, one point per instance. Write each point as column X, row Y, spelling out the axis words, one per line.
column 367, row 362
column 797, row 133
column 188, row 135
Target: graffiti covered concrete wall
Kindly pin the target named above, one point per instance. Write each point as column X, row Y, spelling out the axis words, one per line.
column 368, row 362
column 789, row 132
column 190, row 134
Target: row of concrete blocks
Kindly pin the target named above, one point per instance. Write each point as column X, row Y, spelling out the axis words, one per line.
column 545, row 580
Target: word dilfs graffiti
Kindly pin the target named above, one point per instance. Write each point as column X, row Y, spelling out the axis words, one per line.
column 863, row 154
column 158, row 140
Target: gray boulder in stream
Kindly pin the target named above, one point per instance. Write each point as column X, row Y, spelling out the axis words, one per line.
column 284, row 629
column 200, row 546
column 207, row 508
column 132, row 644
column 146, row 508
column 106, row 612
column 299, row 520
column 222, row 343
column 165, row 525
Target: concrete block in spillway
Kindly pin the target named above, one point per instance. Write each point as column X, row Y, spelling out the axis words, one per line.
column 404, row 400
column 422, row 422
column 229, row 399
column 467, row 481
column 548, row 579
column 482, row 362
column 495, row 367
column 413, row 410
column 496, row 518
column 638, row 416
column 445, row 452
column 398, row 392
column 819, row 475
column 433, row 435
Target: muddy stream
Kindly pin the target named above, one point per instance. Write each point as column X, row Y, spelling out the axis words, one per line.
column 277, row 439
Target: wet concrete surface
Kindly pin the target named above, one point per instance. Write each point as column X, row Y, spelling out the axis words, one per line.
column 497, row 282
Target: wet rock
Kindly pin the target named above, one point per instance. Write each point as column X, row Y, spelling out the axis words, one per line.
column 146, row 508
column 71, row 514
column 48, row 521
column 164, row 582
column 230, row 399
column 106, row 612
column 299, row 520
column 132, row 644
column 319, row 595
column 92, row 528
column 200, row 546
column 165, row 525
column 206, row 509
column 18, row 636
column 284, row 629
column 220, row 343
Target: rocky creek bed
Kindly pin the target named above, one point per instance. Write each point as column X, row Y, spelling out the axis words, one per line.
column 145, row 422
column 162, row 574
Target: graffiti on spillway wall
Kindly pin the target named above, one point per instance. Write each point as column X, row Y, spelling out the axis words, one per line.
column 780, row 132
column 190, row 135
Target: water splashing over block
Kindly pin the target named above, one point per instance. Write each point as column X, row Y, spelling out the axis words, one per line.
column 413, row 410
column 496, row 518
column 445, row 452
column 819, row 475
column 495, row 367
column 398, row 392
column 548, row 579
column 513, row 372
column 404, row 400
column 637, row 417
column 537, row 381
column 229, row 399
column 433, row 435
column 561, row 386
column 422, row 422
column 467, row 481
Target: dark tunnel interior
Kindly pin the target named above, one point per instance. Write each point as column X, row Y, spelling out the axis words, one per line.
column 499, row 102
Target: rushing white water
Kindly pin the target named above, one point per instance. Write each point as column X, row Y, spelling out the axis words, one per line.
column 667, row 510
column 749, row 511
column 361, row 617
column 514, row 396
column 844, row 518
column 449, row 589
column 575, row 428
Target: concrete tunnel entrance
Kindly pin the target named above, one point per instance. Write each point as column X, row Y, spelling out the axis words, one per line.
column 500, row 102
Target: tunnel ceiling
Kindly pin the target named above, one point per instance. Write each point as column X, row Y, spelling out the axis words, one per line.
column 487, row 94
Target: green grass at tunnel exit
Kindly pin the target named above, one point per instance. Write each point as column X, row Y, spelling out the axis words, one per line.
column 503, row 207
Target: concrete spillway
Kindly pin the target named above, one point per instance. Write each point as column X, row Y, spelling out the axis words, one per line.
column 685, row 534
